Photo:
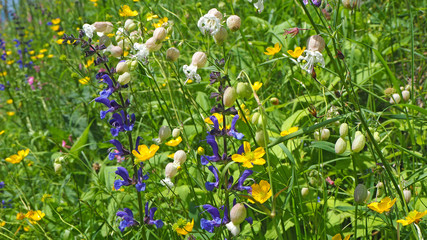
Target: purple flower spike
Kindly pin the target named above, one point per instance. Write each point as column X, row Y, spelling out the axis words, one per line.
column 140, row 185
column 232, row 132
column 120, row 151
column 209, row 225
column 121, row 123
column 122, row 172
column 127, row 219
column 211, row 185
column 149, row 217
column 242, row 179
column 210, row 139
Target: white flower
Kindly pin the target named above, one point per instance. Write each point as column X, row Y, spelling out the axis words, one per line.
column 167, row 182
column 191, row 73
column 311, row 57
column 259, row 5
column 142, row 51
column 89, row 29
column 235, row 230
column 209, row 24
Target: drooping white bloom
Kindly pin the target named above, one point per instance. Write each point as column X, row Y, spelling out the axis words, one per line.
column 89, row 29
column 311, row 58
column 167, row 182
column 259, row 5
column 142, row 52
column 191, row 73
column 209, row 24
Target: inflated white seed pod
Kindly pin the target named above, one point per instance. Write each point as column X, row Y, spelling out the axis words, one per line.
column 172, row 54
column 122, row 67
column 176, row 132
column 360, row 193
column 152, row 44
column 199, row 59
column 57, row 167
column 407, row 195
column 316, row 136
column 259, row 138
column 340, row 146
column 164, row 133
column 325, row 134
column 358, row 143
column 238, row 213
column 216, row 13
column 406, row 94
column 160, row 34
column 221, row 36
column 233, row 23
column 170, row 170
column 304, row 192
column 116, row 51
column 377, row 137
column 316, row 43
column 104, row 27
column 179, row 157
column 230, row 96
column 343, row 130
column 124, row 78
column 130, row 25
column 395, row 98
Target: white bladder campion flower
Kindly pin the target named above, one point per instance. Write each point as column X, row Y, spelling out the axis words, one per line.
column 313, row 54
column 209, row 24
column 191, row 73
column 142, row 52
column 258, row 5
column 89, row 29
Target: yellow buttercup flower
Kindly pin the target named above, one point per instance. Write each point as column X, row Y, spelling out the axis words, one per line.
column 8, row 52
column 1, row 132
column 144, row 153
column 174, row 142
column 218, row 116
column 273, row 50
column 125, row 11
column 383, row 206
column 31, row 52
column 289, row 131
column 26, row 228
column 10, row 62
column 10, row 114
column 413, row 217
column 60, row 41
column 43, row 50
column 249, row 158
column 35, row 215
column 89, row 62
column 95, row 4
column 60, row 33
column 171, row 155
column 84, row 80
column 55, row 27
column 151, row 16
column 50, row 56
column 200, row 150
column 17, row 158
column 297, row 52
column 56, row 21
column 2, row 223
column 338, row 237
column 9, row 101
column 183, row 228
column 161, row 22
column 257, row 85
column 261, row 192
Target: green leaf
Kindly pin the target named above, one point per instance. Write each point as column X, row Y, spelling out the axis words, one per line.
column 81, row 141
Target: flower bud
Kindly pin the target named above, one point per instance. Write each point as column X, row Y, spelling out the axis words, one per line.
column 172, row 54
column 129, row 25
column 407, row 195
column 380, row 189
column 233, row 23
column 124, row 78
column 132, row 64
column 255, row 118
column 274, row 101
column 170, row 170
column 176, row 132
column 325, row 133
column 179, row 157
column 164, row 133
column 406, row 94
column 238, row 213
column 343, row 130
column 199, row 59
column 58, row 168
column 200, row 151
column 358, row 143
column 104, row 40
column 122, row 67
column 244, row 90
column 104, row 27
column 152, row 45
column 230, row 96
column 316, row 135
column 304, row 192
column 221, row 36
column 259, row 138
column 340, row 146
column 360, row 193
column 368, row 196
column 160, row 34
column 216, row 13
column 395, row 98
column 116, row 51
column 377, row 137
column 316, row 43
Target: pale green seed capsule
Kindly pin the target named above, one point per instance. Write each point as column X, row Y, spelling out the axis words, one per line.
column 343, row 130
column 360, row 193
column 230, row 96
column 358, row 143
column 340, row 146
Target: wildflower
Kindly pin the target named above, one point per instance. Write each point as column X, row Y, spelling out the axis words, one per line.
column 164, row 133
column 10, row 114
column 179, row 158
column 149, row 217
column 9, row 101
column 383, row 206
column 239, row 186
column 1, row 184
column 338, row 237
column 211, row 185
column 237, row 216
column 127, row 219
column 84, row 80
column 200, row 150
column 249, row 158
column 289, row 131
column 161, row 22
column 413, row 217
column 120, row 123
column 316, row 44
column 54, row 28
column 316, row 3
column 209, row 225
column 297, row 52
column 17, row 158
column 220, row 131
column 125, row 11
column 2, row 223
column 257, row 85
column 56, row 21
column 174, row 142
column 142, row 52
column 144, row 153
column 2, row 131
column 261, row 192
column 127, row 181
column 172, row 54
column 183, row 228
column 273, row 50
column 151, row 16
column 170, row 171
column 209, row 23
column 340, row 146
column 259, row 5
column 210, row 139
column 35, row 215
column 233, row 23
column 20, row 216
column 88, row 29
